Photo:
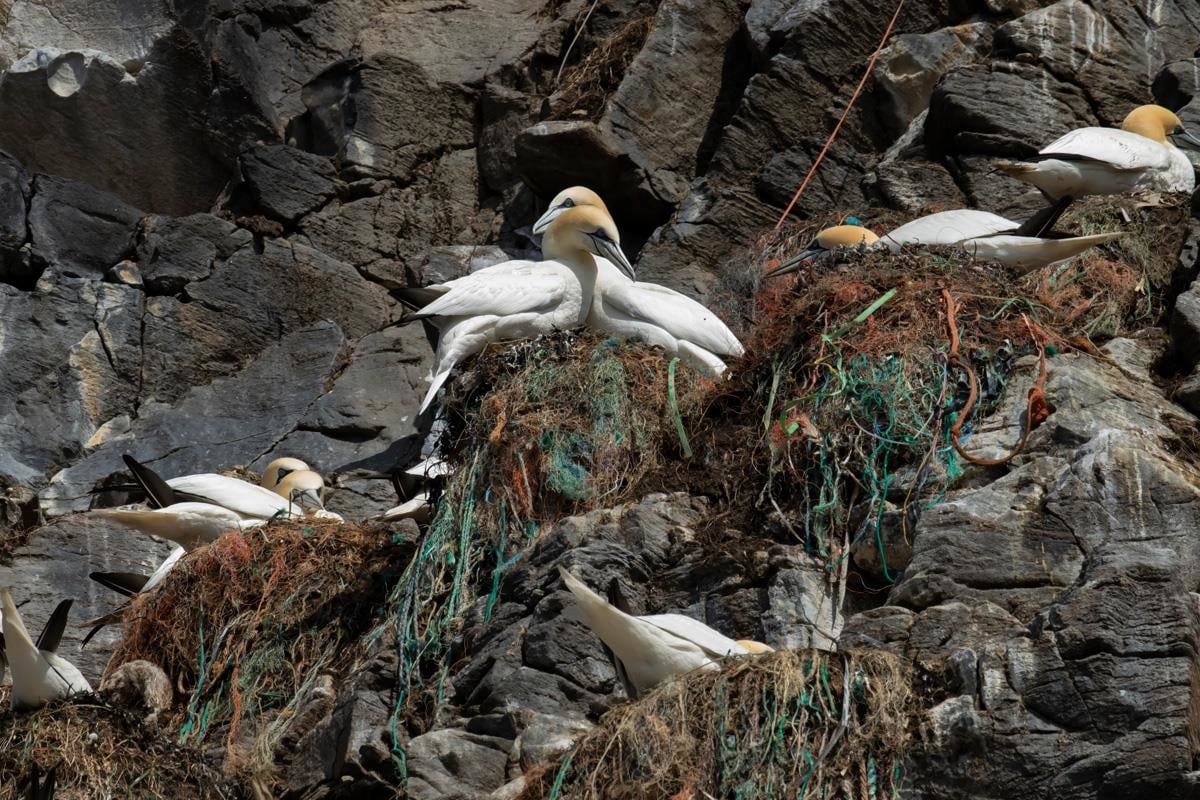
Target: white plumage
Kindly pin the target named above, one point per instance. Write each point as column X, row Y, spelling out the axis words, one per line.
column 518, row 299
column 189, row 525
column 38, row 676
column 660, row 316
column 651, row 648
column 982, row 234
column 1137, row 157
column 246, row 499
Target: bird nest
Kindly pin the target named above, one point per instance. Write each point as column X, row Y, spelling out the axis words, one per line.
column 245, row 626
column 98, row 751
column 583, row 88
column 801, row 724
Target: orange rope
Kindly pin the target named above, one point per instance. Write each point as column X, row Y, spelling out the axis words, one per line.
column 837, row 128
column 1036, row 409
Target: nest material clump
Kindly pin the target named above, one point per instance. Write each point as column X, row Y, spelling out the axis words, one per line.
column 546, row 428
column 248, row 623
column 790, row 724
column 584, row 87
column 100, row 752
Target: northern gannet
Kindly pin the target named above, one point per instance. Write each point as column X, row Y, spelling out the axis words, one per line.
column 650, row 649
column 245, row 499
column 419, row 504
column 279, row 469
column 518, row 299
column 39, row 675
column 638, row 310
column 51, row 635
column 1139, row 156
column 985, row 236
column 189, row 525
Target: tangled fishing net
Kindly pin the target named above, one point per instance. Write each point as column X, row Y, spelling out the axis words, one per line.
column 546, row 428
column 248, row 624
column 800, row 724
column 100, row 752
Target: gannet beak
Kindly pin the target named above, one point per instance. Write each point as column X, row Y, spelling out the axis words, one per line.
column 544, row 220
column 309, row 499
column 612, row 251
column 1187, row 137
column 793, row 264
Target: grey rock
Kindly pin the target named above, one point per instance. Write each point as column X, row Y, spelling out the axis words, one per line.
column 54, row 564
column 1188, row 393
column 79, row 230
column 208, row 426
column 174, row 251
column 800, row 612
column 71, row 354
column 661, row 112
column 1002, row 109
column 449, row 763
column 14, row 202
column 143, row 139
column 911, row 65
column 286, row 183
column 504, row 113
column 1185, row 326
column 1065, row 36
column 126, row 30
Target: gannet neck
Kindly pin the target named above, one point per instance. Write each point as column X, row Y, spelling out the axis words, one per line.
column 14, row 626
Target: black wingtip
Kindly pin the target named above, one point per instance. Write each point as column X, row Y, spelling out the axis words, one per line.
column 90, row 634
column 1042, row 223
column 52, row 633
column 126, row 584
column 159, row 493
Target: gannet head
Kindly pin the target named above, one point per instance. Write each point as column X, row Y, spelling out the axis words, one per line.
column 828, row 239
column 304, row 488
column 1157, row 123
column 755, row 648
column 567, row 199
column 586, row 228
column 279, row 469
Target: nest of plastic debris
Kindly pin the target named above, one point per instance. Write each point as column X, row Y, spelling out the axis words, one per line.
column 790, row 724
column 247, row 625
column 99, row 751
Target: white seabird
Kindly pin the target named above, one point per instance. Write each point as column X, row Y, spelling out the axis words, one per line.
column 640, row 310
column 652, row 648
column 39, row 675
column 984, row 235
column 1139, row 156
column 518, row 299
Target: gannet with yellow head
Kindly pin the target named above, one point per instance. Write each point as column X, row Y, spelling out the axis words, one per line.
column 648, row 311
column 985, row 236
column 279, row 469
column 653, row 648
column 1140, row 156
column 519, row 299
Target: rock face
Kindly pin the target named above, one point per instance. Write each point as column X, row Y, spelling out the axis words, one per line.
column 204, row 207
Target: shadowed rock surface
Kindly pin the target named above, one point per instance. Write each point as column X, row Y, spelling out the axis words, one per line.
column 204, row 205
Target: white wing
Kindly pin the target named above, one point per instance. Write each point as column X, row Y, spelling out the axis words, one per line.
column 948, row 227
column 676, row 313
column 1120, row 149
column 165, row 567
column 65, row 675
column 513, row 287
column 712, row 642
column 236, row 495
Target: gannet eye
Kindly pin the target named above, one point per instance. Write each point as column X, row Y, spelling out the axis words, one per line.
column 568, row 203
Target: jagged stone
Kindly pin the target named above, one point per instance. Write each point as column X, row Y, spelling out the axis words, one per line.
column 14, row 202
column 126, row 30
column 143, row 140
column 287, row 183
column 174, row 251
column 450, row 763
column 79, row 230
column 1002, row 109
column 1065, row 36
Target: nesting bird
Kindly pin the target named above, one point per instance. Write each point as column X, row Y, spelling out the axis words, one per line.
column 984, row 235
column 279, row 469
column 638, row 310
column 39, row 674
column 651, row 649
column 518, row 299
column 1140, row 156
